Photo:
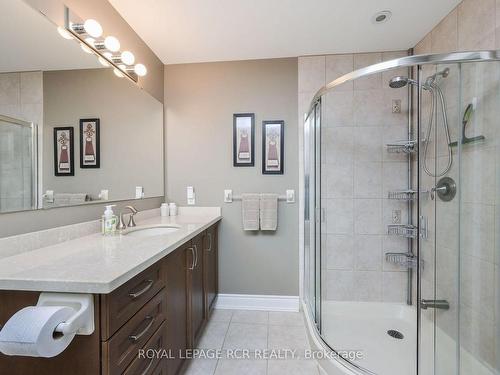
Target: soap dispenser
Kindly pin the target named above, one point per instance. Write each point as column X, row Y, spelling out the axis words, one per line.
column 109, row 221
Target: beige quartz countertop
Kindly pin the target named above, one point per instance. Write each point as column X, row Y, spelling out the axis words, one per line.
column 96, row 263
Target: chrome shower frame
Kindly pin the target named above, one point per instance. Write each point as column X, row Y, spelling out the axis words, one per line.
column 410, row 62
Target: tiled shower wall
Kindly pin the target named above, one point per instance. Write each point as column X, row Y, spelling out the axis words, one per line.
column 21, row 97
column 472, row 254
column 357, row 173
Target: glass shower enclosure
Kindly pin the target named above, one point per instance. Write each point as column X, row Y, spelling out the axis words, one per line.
column 401, row 215
column 18, row 160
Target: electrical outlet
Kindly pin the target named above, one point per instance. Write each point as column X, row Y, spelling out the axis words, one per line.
column 396, row 216
column 396, row 106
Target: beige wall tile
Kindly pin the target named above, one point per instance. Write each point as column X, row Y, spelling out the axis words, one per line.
column 337, row 66
column 476, row 25
column 373, row 81
column 311, row 73
column 444, row 37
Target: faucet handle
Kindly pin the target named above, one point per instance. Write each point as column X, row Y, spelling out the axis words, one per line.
column 131, row 222
column 121, row 223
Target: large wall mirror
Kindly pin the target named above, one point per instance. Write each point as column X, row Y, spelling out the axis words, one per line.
column 71, row 131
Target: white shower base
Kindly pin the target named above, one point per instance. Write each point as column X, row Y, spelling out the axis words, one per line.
column 363, row 326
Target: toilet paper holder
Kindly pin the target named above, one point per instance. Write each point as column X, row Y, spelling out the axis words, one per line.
column 82, row 322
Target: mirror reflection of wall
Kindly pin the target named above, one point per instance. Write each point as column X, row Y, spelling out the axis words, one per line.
column 57, row 89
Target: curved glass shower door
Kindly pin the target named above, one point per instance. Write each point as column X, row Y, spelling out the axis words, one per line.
column 402, row 256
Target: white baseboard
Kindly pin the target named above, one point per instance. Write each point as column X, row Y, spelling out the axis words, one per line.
column 257, row 302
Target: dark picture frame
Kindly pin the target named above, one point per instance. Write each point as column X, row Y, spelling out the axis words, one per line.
column 64, row 155
column 90, row 143
column 273, row 149
column 243, row 148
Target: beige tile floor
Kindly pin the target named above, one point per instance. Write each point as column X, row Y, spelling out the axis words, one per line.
column 254, row 331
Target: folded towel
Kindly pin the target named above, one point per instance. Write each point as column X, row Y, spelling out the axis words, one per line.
column 250, row 211
column 268, row 211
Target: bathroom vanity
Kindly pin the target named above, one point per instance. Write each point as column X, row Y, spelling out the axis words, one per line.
column 150, row 292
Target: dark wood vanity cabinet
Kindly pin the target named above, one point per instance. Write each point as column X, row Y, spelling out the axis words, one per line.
column 163, row 309
column 177, row 310
column 196, row 290
column 210, row 268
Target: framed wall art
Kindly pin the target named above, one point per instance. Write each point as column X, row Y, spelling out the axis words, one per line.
column 273, row 144
column 243, row 139
column 64, row 164
column 90, row 143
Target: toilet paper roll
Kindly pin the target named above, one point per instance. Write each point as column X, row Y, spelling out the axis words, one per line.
column 30, row 332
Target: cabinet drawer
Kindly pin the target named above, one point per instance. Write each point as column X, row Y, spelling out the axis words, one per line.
column 121, row 304
column 148, row 366
column 123, row 347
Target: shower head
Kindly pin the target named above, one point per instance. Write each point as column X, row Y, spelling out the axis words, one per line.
column 400, row 81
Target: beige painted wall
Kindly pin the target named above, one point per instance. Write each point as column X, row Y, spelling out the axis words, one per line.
column 113, row 24
column 200, row 102
column 131, row 132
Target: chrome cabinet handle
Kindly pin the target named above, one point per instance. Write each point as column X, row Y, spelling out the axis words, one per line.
column 196, row 250
column 192, row 262
column 146, row 329
column 134, row 295
column 210, row 241
column 146, row 370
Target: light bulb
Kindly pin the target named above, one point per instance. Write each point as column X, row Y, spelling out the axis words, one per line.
column 93, row 28
column 118, row 73
column 85, row 48
column 103, row 62
column 112, row 43
column 127, row 57
column 108, row 55
column 140, row 70
column 64, row 33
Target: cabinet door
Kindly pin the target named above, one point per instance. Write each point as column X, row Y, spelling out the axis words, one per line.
column 177, row 307
column 196, row 317
column 210, row 251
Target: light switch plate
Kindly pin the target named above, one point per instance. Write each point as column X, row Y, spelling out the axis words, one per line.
column 290, row 196
column 191, row 196
column 228, row 196
column 139, row 192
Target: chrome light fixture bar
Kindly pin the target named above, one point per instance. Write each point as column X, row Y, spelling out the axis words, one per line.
column 89, row 34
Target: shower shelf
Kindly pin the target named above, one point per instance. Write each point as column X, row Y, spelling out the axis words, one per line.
column 408, row 231
column 400, row 147
column 402, row 195
column 402, row 259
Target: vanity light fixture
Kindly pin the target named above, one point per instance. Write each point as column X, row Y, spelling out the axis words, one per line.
column 118, row 73
column 140, row 70
column 112, row 44
column 103, row 62
column 107, row 48
column 93, row 28
column 127, row 57
column 64, row 33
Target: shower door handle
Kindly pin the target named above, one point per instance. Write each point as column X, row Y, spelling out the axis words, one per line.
column 434, row 304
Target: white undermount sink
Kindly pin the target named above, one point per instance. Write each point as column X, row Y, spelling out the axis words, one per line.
column 153, row 230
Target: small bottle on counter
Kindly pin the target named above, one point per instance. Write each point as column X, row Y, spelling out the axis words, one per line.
column 164, row 209
column 109, row 221
column 172, row 207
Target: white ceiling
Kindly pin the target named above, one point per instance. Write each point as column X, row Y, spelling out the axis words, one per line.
column 30, row 42
column 185, row 31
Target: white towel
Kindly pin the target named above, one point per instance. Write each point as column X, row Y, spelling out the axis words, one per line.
column 268, row 211
column 250, row 211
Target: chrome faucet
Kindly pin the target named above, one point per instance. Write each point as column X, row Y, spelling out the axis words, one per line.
column 131, row 222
